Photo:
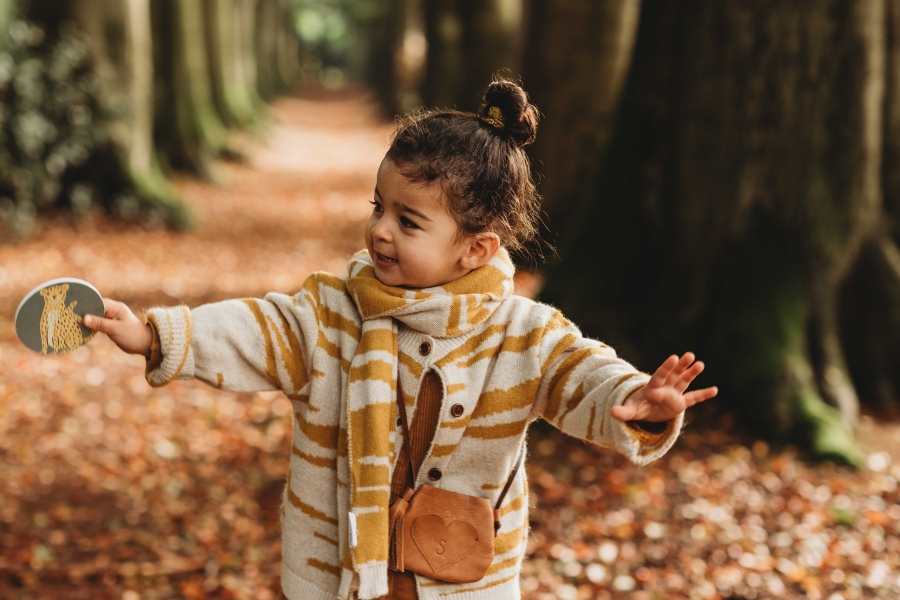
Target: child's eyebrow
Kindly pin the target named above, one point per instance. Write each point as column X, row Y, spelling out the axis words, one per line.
column 404, row 207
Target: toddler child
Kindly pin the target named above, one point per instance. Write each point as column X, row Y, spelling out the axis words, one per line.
column 426, row 312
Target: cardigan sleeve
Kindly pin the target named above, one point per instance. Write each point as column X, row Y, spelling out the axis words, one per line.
column 241, row 345
column 581, row 380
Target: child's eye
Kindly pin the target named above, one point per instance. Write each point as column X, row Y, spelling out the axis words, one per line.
column 377, row 206
column 408, row 223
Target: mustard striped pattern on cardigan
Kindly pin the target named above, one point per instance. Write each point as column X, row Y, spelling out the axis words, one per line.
column 522, row 361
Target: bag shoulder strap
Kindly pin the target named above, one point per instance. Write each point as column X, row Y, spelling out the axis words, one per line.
column 402, row 405
column 412, row 470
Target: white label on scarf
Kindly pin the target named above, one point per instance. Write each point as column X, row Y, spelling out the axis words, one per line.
column 352, row 530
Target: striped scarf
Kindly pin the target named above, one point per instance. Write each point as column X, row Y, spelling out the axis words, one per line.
column 443, row 311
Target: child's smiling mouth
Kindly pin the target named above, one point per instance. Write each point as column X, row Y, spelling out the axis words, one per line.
column 384, row 261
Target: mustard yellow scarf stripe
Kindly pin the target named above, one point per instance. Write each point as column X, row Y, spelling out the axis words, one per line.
column 444, row 311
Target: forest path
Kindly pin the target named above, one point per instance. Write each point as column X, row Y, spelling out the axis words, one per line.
column 110, row 489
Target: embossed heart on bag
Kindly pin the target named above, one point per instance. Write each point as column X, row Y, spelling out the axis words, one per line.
column 442, row 544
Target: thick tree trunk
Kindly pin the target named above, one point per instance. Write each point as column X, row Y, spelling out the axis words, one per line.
column 188, row 126
column 233, row 99
column 740, row 183
column 120, row 35
column 576, row 56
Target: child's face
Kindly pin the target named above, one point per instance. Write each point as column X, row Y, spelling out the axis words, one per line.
column 412, row 237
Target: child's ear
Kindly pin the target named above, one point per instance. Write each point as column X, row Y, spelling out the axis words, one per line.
column 482, row 248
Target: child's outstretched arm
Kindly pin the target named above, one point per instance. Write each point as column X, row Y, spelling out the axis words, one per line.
column 663, row 398
column 588, row 392
column 240, row 345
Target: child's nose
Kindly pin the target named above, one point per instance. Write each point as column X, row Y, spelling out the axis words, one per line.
column 381, row 231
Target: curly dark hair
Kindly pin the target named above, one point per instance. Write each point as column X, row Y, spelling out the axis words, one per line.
column 483, row 168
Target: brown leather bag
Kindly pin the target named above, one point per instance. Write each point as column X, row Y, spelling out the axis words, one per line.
column 441, row 534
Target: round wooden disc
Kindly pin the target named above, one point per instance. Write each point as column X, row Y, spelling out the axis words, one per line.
column 48, row 319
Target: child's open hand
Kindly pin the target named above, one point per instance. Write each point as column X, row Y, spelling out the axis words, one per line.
column 127, row 331
column 663, row 398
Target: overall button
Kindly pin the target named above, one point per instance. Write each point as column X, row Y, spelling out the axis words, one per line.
column 399, row 421
column 457, row 410
column 435, row 474
column 425, row 349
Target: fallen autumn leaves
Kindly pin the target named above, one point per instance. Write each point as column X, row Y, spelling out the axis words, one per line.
column 111, row 489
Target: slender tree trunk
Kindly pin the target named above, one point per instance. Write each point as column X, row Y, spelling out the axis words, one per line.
column 443, row 57
column 188, row 126
column 386, row 39
column 287, row 52
column 491, row 39
column 245, row 29
column 469, row 41
column 575, row 61
column 870, row 299
column 233, row 99
column 6, row 15
column 266, row 45
column 740, row 183
column 120, row 35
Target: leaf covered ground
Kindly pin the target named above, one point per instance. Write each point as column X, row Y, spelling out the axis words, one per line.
column 110, row 489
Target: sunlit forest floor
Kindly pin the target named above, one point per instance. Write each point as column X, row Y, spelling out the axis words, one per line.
column 110, row 489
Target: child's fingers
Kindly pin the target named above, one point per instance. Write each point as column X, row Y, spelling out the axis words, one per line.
column 697, row 396
column 688, row 376
column 100, row 324
column 662, row 373
column 683, row 363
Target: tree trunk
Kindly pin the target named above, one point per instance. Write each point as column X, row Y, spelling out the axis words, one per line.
column 575, row 61
column 6, row 15
column 266, row 45
column 287, row 52
column 739, row 185
column 233, row 99
column 491, row 38
column 120, row 37
column 468, row 42
column 188, row 127
column 870, row 299
column 385, row 45
column 246, row 46
column 443, row 56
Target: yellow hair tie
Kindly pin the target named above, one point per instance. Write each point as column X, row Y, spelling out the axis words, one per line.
column 494, row 117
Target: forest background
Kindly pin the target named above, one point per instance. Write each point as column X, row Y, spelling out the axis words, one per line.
column 719, row 177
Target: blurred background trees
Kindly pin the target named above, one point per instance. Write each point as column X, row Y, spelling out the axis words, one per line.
column 717, row 176
column 101, row 98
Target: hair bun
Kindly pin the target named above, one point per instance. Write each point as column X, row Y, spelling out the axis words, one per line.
column 520, row 119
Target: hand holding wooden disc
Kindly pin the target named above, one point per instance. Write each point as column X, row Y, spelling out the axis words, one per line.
column 49, row 318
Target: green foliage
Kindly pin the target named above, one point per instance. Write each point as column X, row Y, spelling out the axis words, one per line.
column 332, row 34
column 55, row 152
column 50, row 122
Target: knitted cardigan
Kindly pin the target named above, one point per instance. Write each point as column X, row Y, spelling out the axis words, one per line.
column 525, row 361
